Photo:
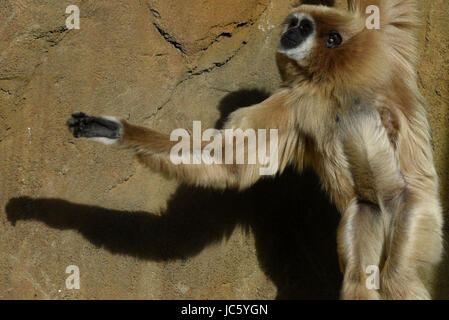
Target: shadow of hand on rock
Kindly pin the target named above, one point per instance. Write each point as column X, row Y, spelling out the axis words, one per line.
column 293, row 223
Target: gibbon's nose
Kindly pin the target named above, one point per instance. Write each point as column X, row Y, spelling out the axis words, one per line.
column 291, row 38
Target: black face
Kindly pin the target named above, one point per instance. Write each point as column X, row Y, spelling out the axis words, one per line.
column 297, row 32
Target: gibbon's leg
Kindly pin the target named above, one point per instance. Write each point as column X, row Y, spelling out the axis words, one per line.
column 360, row 246
column 153, row 148
column 414, row 246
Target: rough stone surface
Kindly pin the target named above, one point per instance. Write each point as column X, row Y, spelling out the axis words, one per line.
column 133, row 234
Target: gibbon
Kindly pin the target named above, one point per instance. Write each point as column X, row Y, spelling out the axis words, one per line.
column 350, row 108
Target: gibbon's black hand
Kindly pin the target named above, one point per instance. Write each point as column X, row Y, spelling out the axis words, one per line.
column 82, row 125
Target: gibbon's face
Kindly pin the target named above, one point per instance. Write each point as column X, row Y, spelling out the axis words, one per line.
column 299, row 36
column 319, row 35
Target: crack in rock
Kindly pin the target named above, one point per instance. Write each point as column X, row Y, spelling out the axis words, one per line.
column 190, row 75
column 44, row 34
column 216, row 65
column 179, row 46
column 124, row 180
column 6, row 91
column 226, row 34
column 52, row 36
column 169, row 38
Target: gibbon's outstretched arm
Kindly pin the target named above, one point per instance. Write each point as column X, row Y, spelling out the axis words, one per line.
column 153, row 149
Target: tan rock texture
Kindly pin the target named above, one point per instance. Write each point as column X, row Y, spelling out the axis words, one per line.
column 132, row 233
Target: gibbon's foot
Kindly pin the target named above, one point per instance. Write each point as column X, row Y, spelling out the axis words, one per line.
column 102, row 129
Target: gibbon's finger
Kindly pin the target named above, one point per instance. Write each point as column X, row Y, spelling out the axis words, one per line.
column 78, row 114
column 76, row 120
column 71, row 122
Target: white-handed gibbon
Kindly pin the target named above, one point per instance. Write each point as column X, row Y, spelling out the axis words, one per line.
column 351, row 109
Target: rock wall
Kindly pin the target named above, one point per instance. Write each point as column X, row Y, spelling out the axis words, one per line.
column 132, row 233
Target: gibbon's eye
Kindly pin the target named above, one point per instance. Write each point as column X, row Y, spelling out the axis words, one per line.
column 334, row 40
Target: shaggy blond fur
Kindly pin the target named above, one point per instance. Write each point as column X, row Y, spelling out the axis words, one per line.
column 356, row 116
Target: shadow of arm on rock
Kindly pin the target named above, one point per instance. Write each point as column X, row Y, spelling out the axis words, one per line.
column 293, row 224
column 176, row 234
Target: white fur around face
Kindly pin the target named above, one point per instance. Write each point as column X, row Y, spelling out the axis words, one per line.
column 303, row 51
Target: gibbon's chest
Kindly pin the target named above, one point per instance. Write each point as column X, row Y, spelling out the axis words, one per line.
column 364, row 133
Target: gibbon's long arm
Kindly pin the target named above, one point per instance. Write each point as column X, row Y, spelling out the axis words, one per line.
column 153, row 148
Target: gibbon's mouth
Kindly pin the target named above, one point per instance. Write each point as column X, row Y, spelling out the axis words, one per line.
column 290, row 41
